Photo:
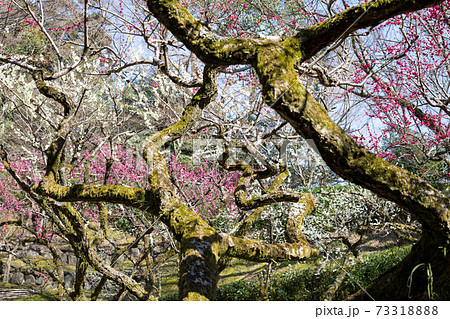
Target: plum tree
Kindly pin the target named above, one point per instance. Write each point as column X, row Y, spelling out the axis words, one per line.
column 274, row 67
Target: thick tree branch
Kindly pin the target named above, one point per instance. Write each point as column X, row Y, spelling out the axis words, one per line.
column 119, row 194
column 214, row 49
column 304, row 206
column 313, row 39
column 209, row 47
column 256, row 251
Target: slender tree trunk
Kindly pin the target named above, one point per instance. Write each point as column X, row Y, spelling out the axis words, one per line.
column 80, row 276
column 7, row 269
column 9, row 260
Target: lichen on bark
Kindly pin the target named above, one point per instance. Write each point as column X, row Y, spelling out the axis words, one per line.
column 294, row 223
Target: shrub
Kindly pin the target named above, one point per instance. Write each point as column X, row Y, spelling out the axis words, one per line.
column 248, row 289
column 372, row 266
column 304, row 285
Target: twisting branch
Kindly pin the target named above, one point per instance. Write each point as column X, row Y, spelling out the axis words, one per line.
column 256, row 251
column 55, row 150
column 251, row 174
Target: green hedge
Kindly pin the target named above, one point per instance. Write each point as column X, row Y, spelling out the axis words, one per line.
column 303, row 285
